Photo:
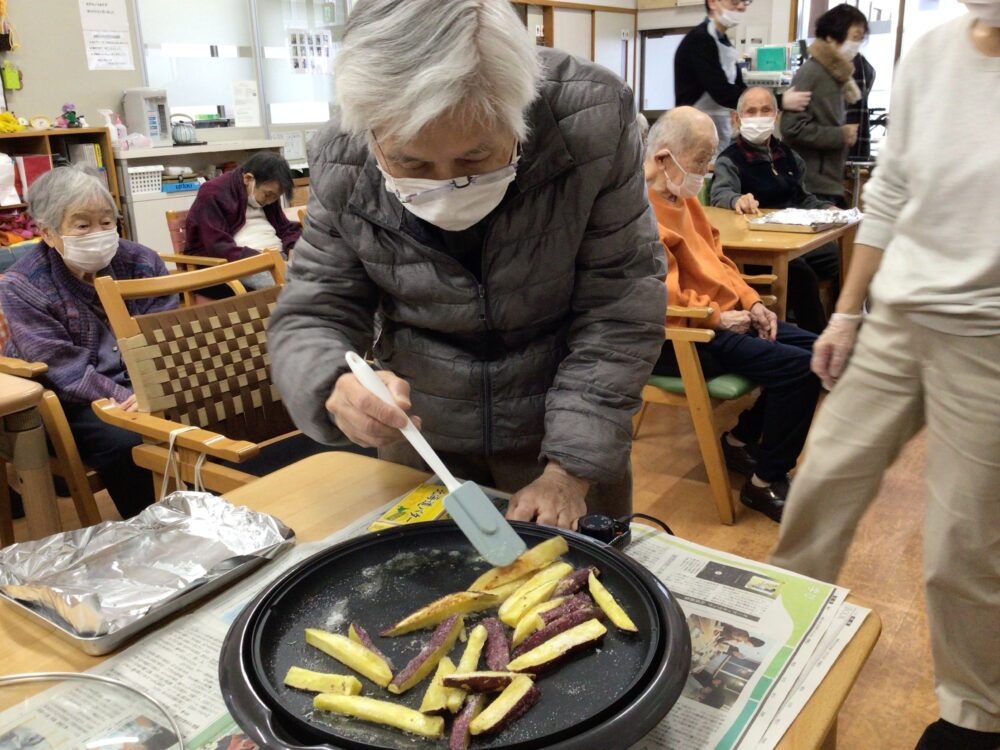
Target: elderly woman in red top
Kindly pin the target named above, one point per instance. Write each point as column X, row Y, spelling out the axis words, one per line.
column 239, row 214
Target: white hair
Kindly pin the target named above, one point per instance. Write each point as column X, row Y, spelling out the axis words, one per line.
column 643, row 123
column 679, row 130
column 743, row 96
column 405, row 63
column 62, row 189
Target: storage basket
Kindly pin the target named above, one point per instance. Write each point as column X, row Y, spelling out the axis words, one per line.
column 145, row 179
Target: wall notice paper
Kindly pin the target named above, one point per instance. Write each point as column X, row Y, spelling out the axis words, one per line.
column 294, row 145
column 107, row 36
column 246, row 104
column 762, row 640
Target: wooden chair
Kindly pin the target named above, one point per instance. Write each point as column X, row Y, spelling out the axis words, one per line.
column 701, row 396
column 177, row 226
column 204, row 367
column 66, row 463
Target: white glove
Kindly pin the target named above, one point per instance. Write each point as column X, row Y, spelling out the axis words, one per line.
column 834, row 346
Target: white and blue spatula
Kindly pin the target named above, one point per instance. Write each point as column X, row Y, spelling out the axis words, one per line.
column 466, row 503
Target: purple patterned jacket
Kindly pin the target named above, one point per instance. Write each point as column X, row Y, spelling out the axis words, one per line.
column 57, row 319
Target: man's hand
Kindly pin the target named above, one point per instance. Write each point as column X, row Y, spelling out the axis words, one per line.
column 833, row 348
column 746, row 204
column 764, row 321
column 737, row 321
column 795, row 101
column 128, row 404
column 850, row 134
column 556, row 498
column 365, row 418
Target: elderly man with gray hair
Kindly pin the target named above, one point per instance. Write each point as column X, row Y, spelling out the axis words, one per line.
column 749, row 340
column 55, row 317
column 477, row 222
column 759, row 171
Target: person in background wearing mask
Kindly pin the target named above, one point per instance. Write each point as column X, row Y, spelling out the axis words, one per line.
column 749, row 339
column 820, row 133
column 239, row 214
column 487, row 218
column 928, row 356
column 758, row 170
column 706, row 74
column 55, row 317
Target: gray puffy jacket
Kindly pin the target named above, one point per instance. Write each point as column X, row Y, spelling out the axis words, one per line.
column 555, row 344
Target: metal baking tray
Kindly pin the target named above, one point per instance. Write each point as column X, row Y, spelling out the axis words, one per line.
column 221, row 573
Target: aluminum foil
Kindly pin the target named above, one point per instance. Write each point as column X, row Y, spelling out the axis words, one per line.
column 106, row 577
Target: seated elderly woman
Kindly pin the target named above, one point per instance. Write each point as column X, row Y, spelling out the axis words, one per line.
column 239, row 214
column 758, row 170
column 55, row 317
column 487, row 217
column 749, row 340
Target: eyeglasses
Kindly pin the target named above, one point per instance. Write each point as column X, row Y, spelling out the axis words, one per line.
column 738, row 3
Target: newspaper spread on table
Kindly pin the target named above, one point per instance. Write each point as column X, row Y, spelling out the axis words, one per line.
column 762, row 641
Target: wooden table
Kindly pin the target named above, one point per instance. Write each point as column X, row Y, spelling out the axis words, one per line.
column 775, row 249
column 323, row 493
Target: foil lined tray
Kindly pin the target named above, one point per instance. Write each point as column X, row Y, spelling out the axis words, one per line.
column 98, row 587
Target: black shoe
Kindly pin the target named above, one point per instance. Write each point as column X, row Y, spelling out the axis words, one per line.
column 768, row 500
column 740, row 458
column 942, row 735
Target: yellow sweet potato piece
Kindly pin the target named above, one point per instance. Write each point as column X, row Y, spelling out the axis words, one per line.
column 435, row 700
column 381, row 712
column 530, row 620
column 459, row 603
column 509, row 706
column 503, row 591
column 427, row 660
column 351, row 654
column 468, row 663
column 319, row 682
column 611, row 607
column 559, row 647
column 535, row 590
column 537, row 557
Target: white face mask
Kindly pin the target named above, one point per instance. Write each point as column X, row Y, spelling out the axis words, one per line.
column 756, row 129
column 89, row 253
column 728, row 17
column 456, row 204
column 251, row 200
column 987, row 13
column 690, row 186
column 850, row 49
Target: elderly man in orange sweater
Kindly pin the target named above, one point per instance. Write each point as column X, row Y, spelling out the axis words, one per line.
column 749, row 339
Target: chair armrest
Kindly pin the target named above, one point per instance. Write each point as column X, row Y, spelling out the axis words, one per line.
column 768, row 300
column 697, row 335
column 759, row 278
column 674, row 311
column 22, row 368
column 202, row 441
column 203, row 261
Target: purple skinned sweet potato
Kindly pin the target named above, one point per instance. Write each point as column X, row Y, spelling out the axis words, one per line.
column 507, row 708
column 497, row 651
column 358, row 634
column 459, row 739
column 554, row 628
column 560, row 647
column 574, row 581
column 479, row 682
column 580, row 601
column 421, row 665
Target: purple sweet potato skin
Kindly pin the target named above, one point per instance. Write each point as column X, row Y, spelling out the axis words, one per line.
column 528, row 700
column 459, row 739
column 567, row 621
column 366, row 641
column 437, row 638
column 573, row 582
column 479, row 682
column 497, row 649
column 563, row 657
column 571, row 605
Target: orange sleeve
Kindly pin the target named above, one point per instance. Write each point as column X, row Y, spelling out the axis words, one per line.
column 687, row 297
column 748, row 296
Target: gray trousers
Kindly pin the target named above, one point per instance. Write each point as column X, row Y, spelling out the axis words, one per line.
column 512, row 471
column 904, row 377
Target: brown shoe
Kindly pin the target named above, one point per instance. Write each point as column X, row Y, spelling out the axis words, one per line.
column 768, row 500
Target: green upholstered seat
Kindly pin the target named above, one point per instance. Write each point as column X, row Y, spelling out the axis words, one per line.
column 724, row 387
